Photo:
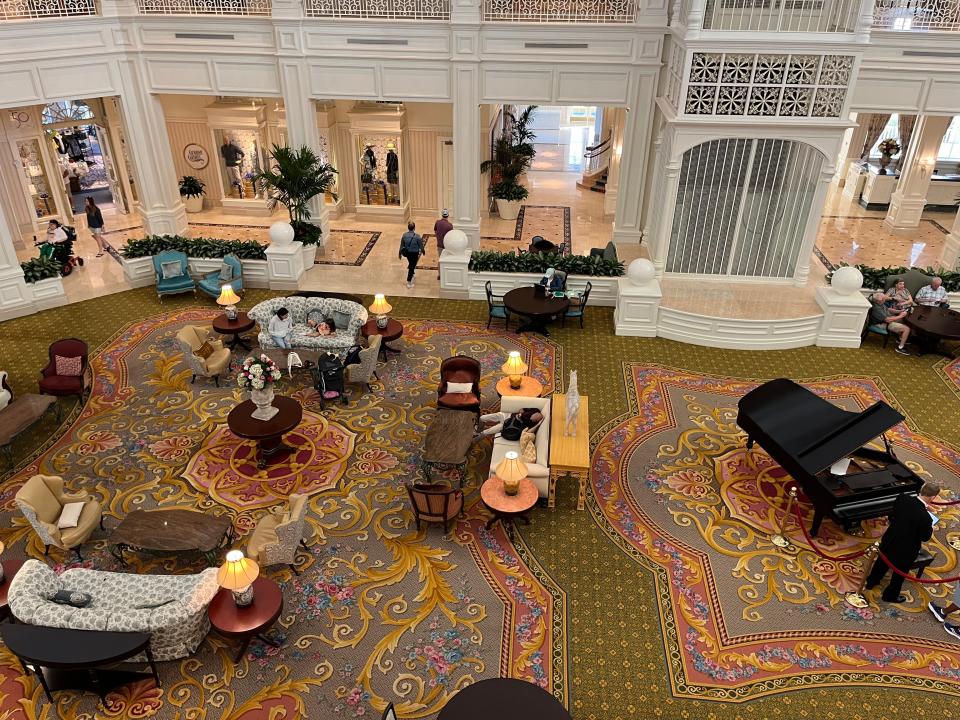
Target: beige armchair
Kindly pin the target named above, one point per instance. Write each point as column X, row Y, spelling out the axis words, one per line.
column 361, row 374
column 41, row 500
column 277, row 536
column 191, row 337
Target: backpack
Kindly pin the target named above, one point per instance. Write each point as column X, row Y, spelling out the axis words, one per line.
column 513, row 427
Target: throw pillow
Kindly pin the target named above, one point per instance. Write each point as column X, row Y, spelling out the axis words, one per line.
column 610, row 252
column 70, row 515
column 341, row 319
column 456, row 388
column 528, row 446
column 205, row 350
column 71, row 366
column 74, row 598
column 226, row 272
column 170, row 269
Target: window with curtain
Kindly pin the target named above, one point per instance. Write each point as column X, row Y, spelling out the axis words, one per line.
column 892, row 130
column 949, row 148
column 742, row 207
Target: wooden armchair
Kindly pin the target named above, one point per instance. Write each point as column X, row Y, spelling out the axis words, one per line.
column 41, row 500
column 435, row 502
column 279, row 534
column 67, row 380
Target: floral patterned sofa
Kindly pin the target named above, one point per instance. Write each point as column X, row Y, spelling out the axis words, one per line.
column 348, row 317
column 173, row 608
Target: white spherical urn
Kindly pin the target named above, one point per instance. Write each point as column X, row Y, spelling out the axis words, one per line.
column 641, row 271
column 847, row 280
column 281, row 233
column 455, row 241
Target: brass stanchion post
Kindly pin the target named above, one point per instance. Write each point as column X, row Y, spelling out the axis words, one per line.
column 780, row 539
column 856, row 599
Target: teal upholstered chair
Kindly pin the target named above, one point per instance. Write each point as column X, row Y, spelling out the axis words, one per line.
column 879, row 329
column 212, row 282
column 495, row 307
column 577, row 311
column 173, row 273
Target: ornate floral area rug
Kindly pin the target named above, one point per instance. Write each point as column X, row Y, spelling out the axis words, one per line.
column 380, row 612
column 676, row 488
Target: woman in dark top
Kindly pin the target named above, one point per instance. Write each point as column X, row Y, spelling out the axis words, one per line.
column 95, row 223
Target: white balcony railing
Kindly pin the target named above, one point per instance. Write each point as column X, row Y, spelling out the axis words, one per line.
column 204, row 7
column 379, row 9
column 807, row 16
column 552, row 11
column 32, row 9
column 912, row 15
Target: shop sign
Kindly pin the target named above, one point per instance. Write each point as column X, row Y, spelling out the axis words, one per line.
column 196, row 156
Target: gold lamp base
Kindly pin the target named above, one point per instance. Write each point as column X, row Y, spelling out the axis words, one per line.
column 780, row 541
column 954, row 541
column 511, row 487
column 855, row 599
column 516, row 381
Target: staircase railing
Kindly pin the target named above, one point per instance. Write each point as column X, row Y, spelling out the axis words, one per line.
column 597, row 157
column 907, row 15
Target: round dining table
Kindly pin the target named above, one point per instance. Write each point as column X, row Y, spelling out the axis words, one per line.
column 537, row 305
column 930, row 325
column 503, row 699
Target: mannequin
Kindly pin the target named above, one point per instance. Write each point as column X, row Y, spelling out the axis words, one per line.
column 233, row 158
column 368, row 165
column 393, row 165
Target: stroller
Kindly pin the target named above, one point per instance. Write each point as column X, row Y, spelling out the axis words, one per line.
column 61, row 252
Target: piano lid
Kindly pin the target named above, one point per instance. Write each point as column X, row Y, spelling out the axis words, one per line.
column 786, row 418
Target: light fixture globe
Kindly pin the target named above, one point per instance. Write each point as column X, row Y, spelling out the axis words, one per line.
column 281, row 233
column 455, row 241
column 641, row 271
column 847, row 280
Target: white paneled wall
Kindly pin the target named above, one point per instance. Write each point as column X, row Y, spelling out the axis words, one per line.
column 423, row 147
column 183, row 133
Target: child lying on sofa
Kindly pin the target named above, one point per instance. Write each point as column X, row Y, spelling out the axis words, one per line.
column 321, row 327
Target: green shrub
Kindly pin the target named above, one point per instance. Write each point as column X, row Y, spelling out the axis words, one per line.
column 509, row 190
column 40, row 269
column 194, row 247
column 492, row 261
column 305, row 232
column 876, row 278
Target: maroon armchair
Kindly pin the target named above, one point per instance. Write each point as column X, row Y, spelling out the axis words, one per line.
column 53, row 383
column 459, row 369
column 435, row 502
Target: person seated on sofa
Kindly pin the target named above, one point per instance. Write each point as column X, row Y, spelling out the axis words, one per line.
column 880, row 314
column 320, row 327
column 898, row 297
column 528, row 418
column 933, row 294
column 281, row 325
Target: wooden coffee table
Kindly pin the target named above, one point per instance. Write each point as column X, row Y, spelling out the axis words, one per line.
column 529, row 387
column 225, row 326
column 245, row 623
column 10, row 569
column 268, row 434
column 172, row 531
column 448, row 441
column 507, row 508
column 503, row 699
column 930, row 325
column 393, row 331
column 538, row 306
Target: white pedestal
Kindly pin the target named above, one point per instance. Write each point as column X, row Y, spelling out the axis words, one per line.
column 843, row 318
column 853, row 184
column 285, row 265
column 637, row 308
column 454, row 275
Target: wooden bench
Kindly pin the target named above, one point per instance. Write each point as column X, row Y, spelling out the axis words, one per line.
column 19, row 415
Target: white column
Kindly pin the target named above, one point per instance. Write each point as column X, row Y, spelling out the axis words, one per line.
column 162, row 210
column 616, row 152
column 951, row 246
column 907, row 201
column 466, row 145
column 844, row 309
column 16, row 298
column 627, row 221
column 668, row 186
column 813, row 226
column 302, row 127
column 852, row 146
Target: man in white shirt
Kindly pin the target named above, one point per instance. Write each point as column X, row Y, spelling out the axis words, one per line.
column 280, row 327
column 933, row 294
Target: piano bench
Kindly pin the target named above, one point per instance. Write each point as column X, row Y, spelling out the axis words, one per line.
column 923, row 561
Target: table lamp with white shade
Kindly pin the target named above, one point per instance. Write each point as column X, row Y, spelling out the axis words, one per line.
column 515, row 367
column 228, row 299
column 511, row 470
column 237, row 575
column 380, row 308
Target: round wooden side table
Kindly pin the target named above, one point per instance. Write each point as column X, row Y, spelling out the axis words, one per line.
column 268, row 434
column 507, row 508
column 529, row 387
column 225, row 326
column 245, row 623
column 504, row 699
column 393, row 331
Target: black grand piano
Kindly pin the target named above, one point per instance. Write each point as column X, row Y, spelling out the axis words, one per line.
column 806, row 435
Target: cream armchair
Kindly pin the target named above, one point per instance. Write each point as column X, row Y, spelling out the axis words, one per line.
column 277, row 536
column 191, row 337
column 41, row 500
column 367, row 368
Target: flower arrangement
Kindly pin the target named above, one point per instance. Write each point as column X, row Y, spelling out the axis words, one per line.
column 258, row 373
column 889, row 147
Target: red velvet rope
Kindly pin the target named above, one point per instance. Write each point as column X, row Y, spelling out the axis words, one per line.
column 840, row 558
column 943, row 504
column 925, row 581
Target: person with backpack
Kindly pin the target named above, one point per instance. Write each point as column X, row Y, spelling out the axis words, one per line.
column 411, row 248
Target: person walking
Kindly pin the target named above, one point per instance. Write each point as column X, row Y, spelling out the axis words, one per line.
column 411, row 248
column 95, row 223
column 440, row 228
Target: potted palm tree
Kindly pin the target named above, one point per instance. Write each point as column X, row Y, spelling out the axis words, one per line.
column 192, row 192
column 512, row 154
column 295, row 178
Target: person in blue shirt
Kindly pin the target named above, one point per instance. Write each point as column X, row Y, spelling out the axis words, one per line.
column 411, row 248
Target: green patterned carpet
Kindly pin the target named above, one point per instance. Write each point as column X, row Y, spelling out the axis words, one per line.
column 617, row 664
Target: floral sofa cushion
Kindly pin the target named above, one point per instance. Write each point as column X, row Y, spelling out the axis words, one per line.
column 170, row 607
column 300, row 309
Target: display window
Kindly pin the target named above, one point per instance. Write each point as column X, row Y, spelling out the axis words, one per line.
column 379, row 173
column 36, row 178
column 241, row 159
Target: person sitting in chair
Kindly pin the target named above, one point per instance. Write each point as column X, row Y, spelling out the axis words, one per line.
column 933, row 294
column 880, row 314
column 898, row 297
column 280, row 327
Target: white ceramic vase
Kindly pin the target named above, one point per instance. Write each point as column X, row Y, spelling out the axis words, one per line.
column 263, row 399
column 193, row 203
column 508, row 209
